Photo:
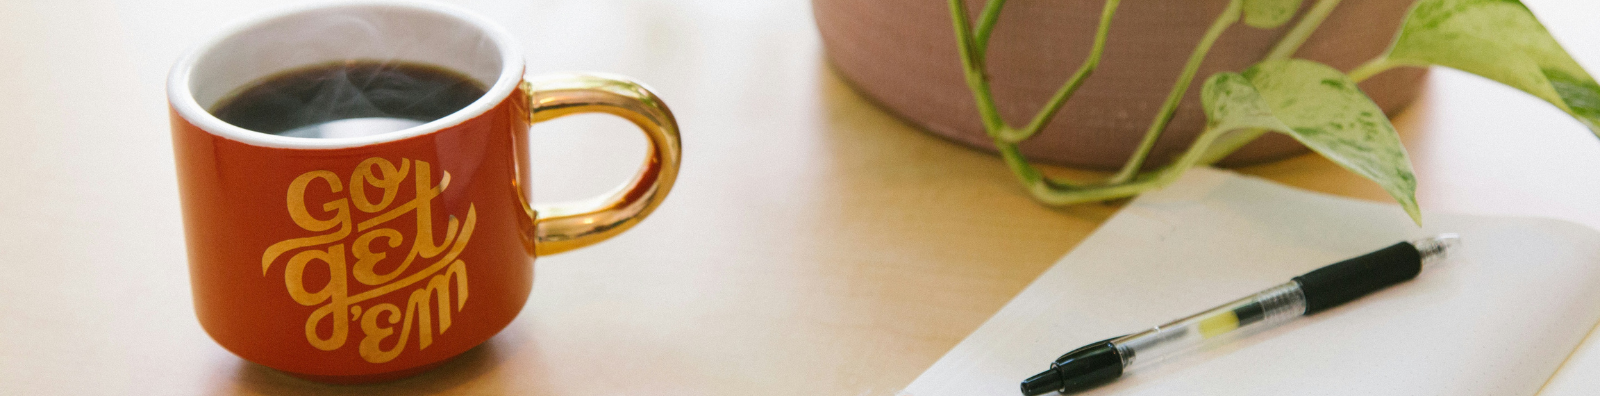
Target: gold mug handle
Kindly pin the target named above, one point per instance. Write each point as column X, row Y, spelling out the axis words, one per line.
column 571, row 225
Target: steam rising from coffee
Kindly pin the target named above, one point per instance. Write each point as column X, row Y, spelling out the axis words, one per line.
column 348, row 99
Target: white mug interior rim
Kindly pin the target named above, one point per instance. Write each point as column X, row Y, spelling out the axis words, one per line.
column 181, row 89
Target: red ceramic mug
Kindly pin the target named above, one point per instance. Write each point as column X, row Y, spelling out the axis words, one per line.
column 372, row 258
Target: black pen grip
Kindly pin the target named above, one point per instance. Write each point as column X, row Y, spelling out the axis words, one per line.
column 1340, row 282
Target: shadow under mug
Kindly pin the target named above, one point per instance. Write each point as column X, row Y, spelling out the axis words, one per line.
column 374, row 258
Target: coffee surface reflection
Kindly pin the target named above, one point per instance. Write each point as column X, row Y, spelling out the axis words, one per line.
column 348, row 99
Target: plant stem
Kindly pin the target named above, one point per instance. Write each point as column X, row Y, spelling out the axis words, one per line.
column 1019, row 165
column 1209, row 146
column 1283, row 50
column 976, row 80
column 1045, row 191
column 986, row 21
column 1229, row 143
column 1371, row 68
column 1228, row 18
column 972, row 44
column 1297, row 36
column 1066, row 91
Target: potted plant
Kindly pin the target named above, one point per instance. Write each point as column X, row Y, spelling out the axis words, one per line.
column 1280, row 92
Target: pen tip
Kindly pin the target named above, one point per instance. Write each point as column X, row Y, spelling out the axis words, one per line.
column 1042, row 383
column 1435, row 249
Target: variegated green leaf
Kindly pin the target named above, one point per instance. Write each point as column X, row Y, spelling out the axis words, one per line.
column 1500, row 40
column 1231, row 102
column 1267, row 14
column 1320, row 107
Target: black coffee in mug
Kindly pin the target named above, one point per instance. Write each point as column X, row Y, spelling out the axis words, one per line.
column 348, row 99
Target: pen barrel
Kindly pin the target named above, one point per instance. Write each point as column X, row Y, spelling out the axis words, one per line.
column 1340, row 282
column 1313, row 292
column 1243, row 316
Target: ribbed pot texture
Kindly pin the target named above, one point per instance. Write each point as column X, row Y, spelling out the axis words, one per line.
column 902, row 55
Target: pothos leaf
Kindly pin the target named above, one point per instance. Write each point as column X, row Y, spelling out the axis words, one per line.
column 1267, row 14
column 1500, row 40
column 1320, row 107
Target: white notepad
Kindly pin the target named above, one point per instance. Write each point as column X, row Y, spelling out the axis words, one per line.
column 1501, row 317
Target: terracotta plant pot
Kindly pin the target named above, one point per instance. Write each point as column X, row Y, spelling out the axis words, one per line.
column 902, row 54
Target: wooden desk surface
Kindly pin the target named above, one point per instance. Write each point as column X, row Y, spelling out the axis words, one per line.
column 815, row 245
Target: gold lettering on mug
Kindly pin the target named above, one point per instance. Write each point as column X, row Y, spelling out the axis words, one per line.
column 363, row 257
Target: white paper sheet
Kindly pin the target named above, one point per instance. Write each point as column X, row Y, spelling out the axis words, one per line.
column 1498, row 319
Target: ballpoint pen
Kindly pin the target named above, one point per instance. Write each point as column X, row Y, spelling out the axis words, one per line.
column 1318, row 290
